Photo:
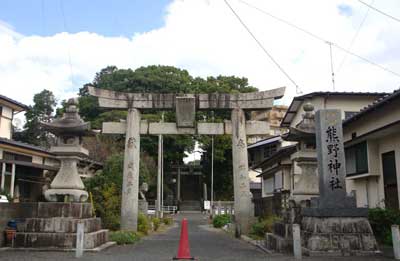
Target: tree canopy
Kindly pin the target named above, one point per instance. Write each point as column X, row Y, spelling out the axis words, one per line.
column 168, row 79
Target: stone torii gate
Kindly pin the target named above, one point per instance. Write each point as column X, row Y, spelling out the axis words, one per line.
column 185, row 106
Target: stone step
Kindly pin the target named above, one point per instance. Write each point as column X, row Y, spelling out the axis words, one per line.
column 189, row 205
column 60, row 209
column 59, row 240
column 58, row 225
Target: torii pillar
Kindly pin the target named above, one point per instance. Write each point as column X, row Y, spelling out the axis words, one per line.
column 130, row 184
column 241, row 182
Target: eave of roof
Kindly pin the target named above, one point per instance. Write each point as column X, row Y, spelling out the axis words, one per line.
column 283, row 152
column 14, row 102
column 293, row 109
column 24, row 145
column 264, row 141
column 373, row 106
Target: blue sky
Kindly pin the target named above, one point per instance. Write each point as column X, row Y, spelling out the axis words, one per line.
column 202, row 36
column 105, row 17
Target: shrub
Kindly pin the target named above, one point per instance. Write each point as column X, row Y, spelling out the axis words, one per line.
column 143, row 224
column 156, row 223
column 167, row 221
column 124, row 237
column 263, row 226
column 221, row 220
column 381, row 221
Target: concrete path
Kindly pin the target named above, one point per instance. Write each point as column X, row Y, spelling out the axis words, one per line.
column 205, row 243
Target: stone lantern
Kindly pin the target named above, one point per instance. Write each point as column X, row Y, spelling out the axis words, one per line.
column 306, row 184
column 69, row 130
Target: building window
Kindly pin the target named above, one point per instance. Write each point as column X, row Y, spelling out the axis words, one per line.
column 16, row 157
column 357, row 159
column 269, row 150
column 269, row 186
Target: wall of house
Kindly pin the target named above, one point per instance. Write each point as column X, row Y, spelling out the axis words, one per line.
column 345, row 103
column 375, row 120
column 370, row 189
column 5, row 122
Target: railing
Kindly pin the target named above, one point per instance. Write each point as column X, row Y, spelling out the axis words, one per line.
column 166, row 209
column 223, row 207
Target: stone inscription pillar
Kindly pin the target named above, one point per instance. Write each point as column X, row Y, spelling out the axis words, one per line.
column 241, row 182
column 130, row 184
column 331, row 158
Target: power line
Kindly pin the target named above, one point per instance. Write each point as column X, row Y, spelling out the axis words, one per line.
column 68, row 47
column 354, row 37
column 379, row 11
column 261, row 46
column 321, row 39
column 333, row 73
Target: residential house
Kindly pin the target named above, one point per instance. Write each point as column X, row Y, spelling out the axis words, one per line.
column 372, row 146
column 25, row 168
column 282, row 172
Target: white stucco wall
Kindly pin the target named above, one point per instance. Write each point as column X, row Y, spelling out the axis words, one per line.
column 345, row 103
column 5, row 122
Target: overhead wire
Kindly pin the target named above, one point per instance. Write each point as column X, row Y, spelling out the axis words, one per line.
column 354, row 38
column 379, row 11
column 68, row 46
column 261, row 46
column 321, row 39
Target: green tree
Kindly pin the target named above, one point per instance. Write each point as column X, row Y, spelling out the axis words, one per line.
column 41, row 111
column 168, row 79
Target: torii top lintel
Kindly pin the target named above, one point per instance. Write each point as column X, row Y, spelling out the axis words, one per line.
column 123, row 100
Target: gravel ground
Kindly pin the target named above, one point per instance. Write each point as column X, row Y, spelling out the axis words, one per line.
column 205, row 244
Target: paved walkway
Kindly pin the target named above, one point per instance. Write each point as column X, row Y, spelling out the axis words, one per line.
column 206, row 244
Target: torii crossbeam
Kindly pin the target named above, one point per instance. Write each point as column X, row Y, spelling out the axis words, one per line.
column 185, row 106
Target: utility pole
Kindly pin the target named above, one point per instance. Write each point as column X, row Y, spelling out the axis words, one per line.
column 212, row 168
column 159, row 174
column 162, row 171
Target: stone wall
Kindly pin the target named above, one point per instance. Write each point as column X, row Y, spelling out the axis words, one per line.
column 17, row 211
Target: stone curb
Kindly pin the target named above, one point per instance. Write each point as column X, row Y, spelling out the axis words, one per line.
column 254, row 243
column 96, row 249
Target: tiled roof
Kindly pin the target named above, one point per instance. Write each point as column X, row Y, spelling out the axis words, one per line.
column 24, row 145
column 41, row 149
column 373, row 106
column 296, row 102
column 279, row 154
column 19, row 104
column 264, row 141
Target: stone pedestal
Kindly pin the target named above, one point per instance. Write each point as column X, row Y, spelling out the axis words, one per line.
column 338, row 236
column 54, row 225
column 67, row 181
column 143, row 206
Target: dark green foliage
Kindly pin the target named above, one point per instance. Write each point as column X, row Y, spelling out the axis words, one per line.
column 106, row 189
column 156, row 223
column 168, row 79
column 381, row 221
column 143, row 224
column 124, row 237
column 221, row 220
column 263, row 226
column 167, row 221
column 41, row 111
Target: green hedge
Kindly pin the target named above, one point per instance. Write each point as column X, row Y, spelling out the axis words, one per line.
column 221, row 220
column 167, row 221
column 381, row 221
column 263, row 226
column 124, row 237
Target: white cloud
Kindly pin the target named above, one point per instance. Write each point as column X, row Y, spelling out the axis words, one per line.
column 205, row 38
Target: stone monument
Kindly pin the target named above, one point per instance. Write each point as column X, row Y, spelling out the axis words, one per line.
column 69, row 131
column 333, row 224
column 54, row 224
